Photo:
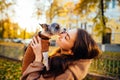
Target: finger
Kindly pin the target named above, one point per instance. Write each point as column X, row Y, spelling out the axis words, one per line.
column 35, row 41
column 39, row 39
column 32, row 43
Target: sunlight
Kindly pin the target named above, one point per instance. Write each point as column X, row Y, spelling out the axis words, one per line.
column 24, row 15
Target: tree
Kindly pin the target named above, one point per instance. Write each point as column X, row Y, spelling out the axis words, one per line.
column 38, row 9
column 100, row 19
column 10, row 29
column 54, row 10
column 1, row 28
column 83, row 9
column 5, row 8
column 68, row 9
column 4, row 15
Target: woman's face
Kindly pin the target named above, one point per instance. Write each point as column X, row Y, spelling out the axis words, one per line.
column 66, row 40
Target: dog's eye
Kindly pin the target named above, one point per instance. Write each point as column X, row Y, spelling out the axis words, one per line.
column 57, row 27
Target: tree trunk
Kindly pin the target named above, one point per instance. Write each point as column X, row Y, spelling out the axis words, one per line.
column 103, row 21
column 2, row 29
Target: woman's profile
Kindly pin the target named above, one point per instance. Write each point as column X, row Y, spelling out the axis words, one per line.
column 70, row 61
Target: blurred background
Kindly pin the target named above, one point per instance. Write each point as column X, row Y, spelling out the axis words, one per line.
column 20, row 19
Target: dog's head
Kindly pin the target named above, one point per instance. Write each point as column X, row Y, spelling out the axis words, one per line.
column 51, row 29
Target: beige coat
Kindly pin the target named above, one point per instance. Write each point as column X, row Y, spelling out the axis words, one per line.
column 74, row 72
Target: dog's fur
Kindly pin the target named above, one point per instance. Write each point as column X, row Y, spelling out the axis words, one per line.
column 48, row 31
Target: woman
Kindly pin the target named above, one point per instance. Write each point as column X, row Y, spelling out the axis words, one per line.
column 70, row 62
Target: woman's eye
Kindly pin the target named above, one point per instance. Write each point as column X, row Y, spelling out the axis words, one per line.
column 62, row 32
column 66, row 38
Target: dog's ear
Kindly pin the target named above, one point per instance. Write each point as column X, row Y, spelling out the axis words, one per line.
column 44, row 26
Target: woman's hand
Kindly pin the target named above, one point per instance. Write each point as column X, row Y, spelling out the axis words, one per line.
column 37, row 48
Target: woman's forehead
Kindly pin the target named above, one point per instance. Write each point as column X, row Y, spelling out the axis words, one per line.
column 72, row 33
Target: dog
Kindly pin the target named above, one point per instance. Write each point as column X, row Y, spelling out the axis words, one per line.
column 47, row 32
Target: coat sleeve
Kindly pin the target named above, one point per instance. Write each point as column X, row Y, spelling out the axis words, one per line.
column 67, row 75
column 28, row 58
column 33, row 71
column 78, row 71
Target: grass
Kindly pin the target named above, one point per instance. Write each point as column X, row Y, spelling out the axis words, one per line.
column 9, row 70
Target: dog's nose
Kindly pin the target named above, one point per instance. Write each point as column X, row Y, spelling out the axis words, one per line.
column 63, row 30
